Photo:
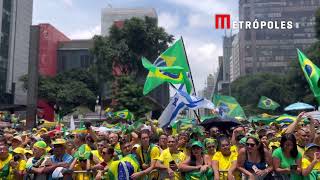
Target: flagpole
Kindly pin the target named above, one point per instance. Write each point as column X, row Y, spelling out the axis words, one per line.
column 194, row 89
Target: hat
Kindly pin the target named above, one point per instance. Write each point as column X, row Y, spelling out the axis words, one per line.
column 43, row 129
column 28, row 151
column 209, row 141
column 136, row 146
column 40, row 144
column 59, row 141
column 18, row 150
column 311, row 145
column 17, row 138
column 197, row 143
column 243, row 140
column 274, row 144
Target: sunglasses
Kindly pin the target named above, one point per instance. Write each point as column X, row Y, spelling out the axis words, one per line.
column 250, row 144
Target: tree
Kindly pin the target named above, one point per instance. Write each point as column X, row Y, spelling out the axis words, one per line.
column 248, row 90
column 68, row 89
column 119, row 60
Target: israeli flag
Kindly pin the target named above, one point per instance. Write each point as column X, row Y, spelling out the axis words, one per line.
column 178, row 103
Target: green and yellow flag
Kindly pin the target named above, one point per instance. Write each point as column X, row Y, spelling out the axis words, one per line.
column 124, row 114
column 311, row 72
column 228, row 105
column 267, row 103
column 171, row 66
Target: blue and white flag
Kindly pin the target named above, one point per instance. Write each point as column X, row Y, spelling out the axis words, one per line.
column 179, row 102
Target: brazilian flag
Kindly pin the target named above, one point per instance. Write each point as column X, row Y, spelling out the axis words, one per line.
column 311, row 72
column 228, row 105
column 159, row 72
column 124, row 114
column 267, row 103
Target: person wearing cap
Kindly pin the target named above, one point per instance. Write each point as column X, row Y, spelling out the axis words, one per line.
column 5, row 159
column 59, row 158
column 224, row 160
column 81, row 162
column 311, row 161
column 147, row 154
column 210, row 145
column 196, row 166
column 254, row 161
column 170, row 159
column 35, row 164
column 17, row 164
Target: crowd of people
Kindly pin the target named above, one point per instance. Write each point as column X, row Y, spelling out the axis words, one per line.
column 251, row 151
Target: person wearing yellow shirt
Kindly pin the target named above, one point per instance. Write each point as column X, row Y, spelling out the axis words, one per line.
column 169, row 160
column 5, row 159
column 311, row 161
column 97, row 154
column 148, row 154
column 183, row 140
column 17, row 164
column 81, row 163
column 224, row 160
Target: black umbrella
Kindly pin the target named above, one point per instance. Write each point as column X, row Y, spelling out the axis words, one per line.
column 220, row 122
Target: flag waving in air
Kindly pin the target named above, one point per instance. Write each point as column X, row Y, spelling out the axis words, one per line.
column 311, row 72
column 179, row 102
column 174, row 56
column 228, row 106
column 267, row 103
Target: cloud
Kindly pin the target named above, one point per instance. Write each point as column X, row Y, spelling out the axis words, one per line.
column 85, row 33
column 168, row 21
column 203, row 58
column 200, row 21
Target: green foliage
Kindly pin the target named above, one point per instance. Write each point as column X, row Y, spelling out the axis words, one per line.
column 124, row 47
column 68, row 89
column 128, row 95
column 119, row 60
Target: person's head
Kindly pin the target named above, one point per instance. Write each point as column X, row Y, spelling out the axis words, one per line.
column 145, row 138
column 264, row 140
column 4, row 152
column 210, row 145
column 101, row 145
column 311, row 149
column 172, row 143
column 163, row 140
column 39, row 149
column 196, row 148
column 125, row 146
column 289, row 145
column 253, row 145
column 113, row 138
column 46, row 138
column 107, row 154
column 79, row 139
column 224, row 145
column 16, row 142
column 303, row 136
column 183, row 139
column 59, row 147
column 214, row 132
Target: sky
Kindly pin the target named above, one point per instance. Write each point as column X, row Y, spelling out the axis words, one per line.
column 191, row 19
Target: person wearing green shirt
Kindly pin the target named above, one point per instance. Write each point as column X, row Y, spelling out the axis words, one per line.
column 287, row 158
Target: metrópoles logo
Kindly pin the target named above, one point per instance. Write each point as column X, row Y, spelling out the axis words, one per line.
column 223, row 21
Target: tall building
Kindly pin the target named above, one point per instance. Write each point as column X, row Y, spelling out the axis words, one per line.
column 234, row 59
column 271, row 50
column 16, row 18
column 227, row 49
column 109, row 16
